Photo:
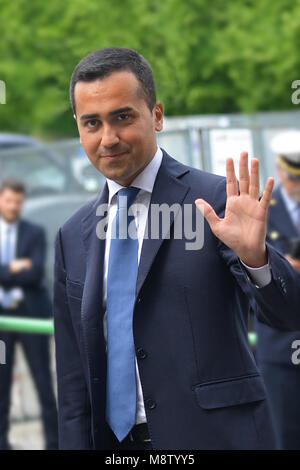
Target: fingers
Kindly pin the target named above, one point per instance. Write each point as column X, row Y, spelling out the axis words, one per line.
column 254, row 179
column 244, row 173
column 267, row 194
column 231, row 181
column 208, row 213
column 249, row 184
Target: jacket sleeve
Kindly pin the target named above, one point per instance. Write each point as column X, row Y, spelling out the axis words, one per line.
column 278, row 303
column 34, row 275
column 74, row 414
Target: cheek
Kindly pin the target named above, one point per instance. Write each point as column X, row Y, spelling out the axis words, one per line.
column 139, row 141
column 90, row 142
column 293, row 187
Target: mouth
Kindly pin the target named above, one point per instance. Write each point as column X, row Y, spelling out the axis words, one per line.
column 113, row 155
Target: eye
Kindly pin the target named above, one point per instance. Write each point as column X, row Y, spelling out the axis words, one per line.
column 123, row 117
column 92, row 123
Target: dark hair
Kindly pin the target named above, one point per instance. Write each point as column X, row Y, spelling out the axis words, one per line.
column 14, row 185
column 103, row 62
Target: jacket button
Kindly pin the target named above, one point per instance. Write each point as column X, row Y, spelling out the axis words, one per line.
column 150, row 404
column 139, row 299
column 141, row 353
column 96, row 379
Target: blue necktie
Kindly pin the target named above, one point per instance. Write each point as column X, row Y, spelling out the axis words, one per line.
column 6, row 259
column 121, row 285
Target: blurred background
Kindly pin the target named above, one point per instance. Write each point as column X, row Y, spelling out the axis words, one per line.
column 224, row 74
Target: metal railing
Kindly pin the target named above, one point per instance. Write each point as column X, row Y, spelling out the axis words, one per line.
column 27, row 325
column 46, row 326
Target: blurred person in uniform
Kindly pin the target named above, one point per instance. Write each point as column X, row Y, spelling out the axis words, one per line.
column 276, row 354
column 22, row 259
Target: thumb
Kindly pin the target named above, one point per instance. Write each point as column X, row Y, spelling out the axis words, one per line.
column 208, row 213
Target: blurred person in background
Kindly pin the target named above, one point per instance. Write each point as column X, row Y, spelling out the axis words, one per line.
column 22, row 259
column 274, row 349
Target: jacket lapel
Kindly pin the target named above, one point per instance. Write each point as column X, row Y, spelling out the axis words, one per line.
column 95, row 247
column 168, row 189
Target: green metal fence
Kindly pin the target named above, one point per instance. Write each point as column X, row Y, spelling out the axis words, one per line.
column 26, row 325
column 45, row 326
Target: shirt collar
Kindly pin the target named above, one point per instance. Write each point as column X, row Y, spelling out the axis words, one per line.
column 5, row 225
column 144, row 180
column 291, row 205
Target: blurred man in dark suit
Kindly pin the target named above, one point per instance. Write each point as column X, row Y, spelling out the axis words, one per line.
column 276, row 353
column 22, row 259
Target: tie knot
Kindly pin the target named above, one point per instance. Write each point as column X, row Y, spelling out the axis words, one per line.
column 126, row 196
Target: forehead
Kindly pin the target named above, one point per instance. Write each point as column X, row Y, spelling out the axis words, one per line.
column 116, row 90
column 9, row 193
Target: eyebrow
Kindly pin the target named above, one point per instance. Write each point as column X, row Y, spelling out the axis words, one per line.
column 126, row 109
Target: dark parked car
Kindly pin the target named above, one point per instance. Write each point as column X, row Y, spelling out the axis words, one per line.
column 8, row 140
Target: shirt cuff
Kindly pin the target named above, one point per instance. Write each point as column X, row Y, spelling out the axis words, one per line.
column 17, row 294
column 261, row 277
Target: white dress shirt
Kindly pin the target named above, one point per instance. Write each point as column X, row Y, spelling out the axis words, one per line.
column 4, row 227
column 145, row 181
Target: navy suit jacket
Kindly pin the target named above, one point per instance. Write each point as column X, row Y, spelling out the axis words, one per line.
column 274, row 346
column 31, row 243
column 201, row 386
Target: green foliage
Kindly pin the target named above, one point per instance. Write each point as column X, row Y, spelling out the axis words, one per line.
column 207, row 56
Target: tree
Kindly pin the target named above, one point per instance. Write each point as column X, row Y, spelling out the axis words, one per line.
column 207, row 57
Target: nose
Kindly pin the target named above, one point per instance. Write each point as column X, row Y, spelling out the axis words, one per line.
column 109, row 137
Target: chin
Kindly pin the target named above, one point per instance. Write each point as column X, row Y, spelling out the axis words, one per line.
column 119, row 176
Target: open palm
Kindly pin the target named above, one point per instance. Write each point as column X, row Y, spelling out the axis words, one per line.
column 244, row 226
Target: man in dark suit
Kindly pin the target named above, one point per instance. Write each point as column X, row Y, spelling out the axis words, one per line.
column 151, row 332
column 277, row 350
column 22, row 293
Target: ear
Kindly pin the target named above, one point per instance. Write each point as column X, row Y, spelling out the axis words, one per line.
column 158, row 116
column 74, row 116
column 279, row 171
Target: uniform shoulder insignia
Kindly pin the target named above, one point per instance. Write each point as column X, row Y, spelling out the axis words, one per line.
column 274, row 235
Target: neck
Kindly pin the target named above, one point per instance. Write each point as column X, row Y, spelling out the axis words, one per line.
column 8, row 221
